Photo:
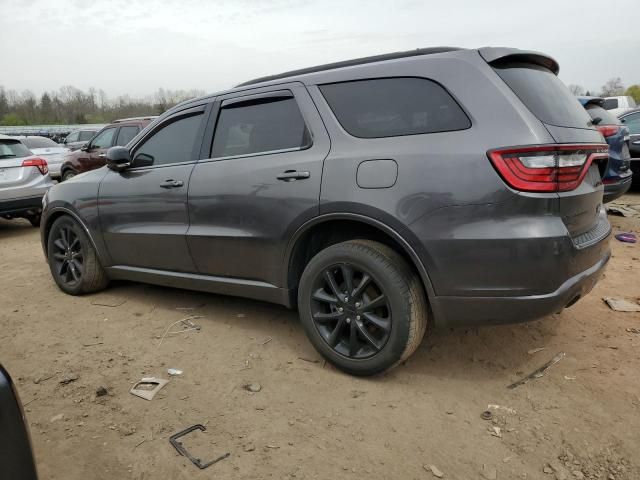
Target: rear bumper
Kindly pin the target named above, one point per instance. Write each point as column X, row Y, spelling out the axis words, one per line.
column 617, row 189
column 20, row 206
column 477, row 311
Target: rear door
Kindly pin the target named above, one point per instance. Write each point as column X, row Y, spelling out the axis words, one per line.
column 567, row 121
column 258, row 182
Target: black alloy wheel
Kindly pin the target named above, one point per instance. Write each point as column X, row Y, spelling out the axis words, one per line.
column 351, row 311
column 68, row 257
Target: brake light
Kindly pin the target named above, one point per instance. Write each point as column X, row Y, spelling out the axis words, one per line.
column 608, row 130
column 38, row 162
column 546, row 168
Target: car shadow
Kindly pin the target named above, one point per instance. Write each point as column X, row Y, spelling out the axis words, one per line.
column 15, row 228
column 462, row 354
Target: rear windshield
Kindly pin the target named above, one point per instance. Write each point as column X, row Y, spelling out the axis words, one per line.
column 13, row 149
column 39, row 142
column 544, row 94
column 596, row 111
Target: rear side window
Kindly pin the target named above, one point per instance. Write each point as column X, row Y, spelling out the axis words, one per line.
column 389, row 107
column 173, row 143
column 544, row 94
column 610, row 103
column 596, row 111
column 266, row 126
column 126, row 134
column 13, row 149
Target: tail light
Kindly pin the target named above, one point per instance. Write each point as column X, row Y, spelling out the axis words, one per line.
column 546, row 168
column 608, row 130
column 38, row 162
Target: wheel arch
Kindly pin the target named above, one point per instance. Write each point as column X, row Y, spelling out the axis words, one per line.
column 330, row 229
column 52, row 216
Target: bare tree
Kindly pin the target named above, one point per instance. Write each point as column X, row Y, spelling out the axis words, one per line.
column 576, row 89
column 613, row 87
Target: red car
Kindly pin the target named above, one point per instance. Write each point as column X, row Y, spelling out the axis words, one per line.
column 92, row 154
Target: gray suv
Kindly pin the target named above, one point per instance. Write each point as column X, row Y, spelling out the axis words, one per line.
column 382, row 196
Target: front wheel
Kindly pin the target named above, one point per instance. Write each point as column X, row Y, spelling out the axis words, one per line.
column 73, row 260
column 362, row 306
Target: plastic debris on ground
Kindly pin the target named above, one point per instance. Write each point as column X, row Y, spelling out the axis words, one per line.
column 621, row 305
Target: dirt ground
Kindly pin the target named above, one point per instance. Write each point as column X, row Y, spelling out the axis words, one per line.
column 581, row 420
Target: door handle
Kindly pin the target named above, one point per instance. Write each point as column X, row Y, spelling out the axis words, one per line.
column 172, row 183
column 102, row 155
column 291, row 175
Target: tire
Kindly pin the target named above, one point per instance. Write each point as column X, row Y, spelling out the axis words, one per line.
column 68, row 174
column 73, row 260
column 34, row 220
column 387, row 330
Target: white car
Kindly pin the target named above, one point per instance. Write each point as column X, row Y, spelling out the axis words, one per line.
column 619, row 105
column 24, row 179
column 46, row 148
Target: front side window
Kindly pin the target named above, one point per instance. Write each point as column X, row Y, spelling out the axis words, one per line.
column 389, row 107
column 86, row 135
column 264, row 126
column 173, row 143
column 126, row 134
column 72, row 137
column 104, row 139
column 633, row 123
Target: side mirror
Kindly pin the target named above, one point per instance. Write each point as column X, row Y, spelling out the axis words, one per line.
column 118, row 158
column 85, row 147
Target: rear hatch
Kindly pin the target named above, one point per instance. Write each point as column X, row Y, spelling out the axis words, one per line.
column 17, row 167
column 533, row 79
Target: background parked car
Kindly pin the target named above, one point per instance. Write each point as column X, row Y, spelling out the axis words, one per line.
column 619, row 105
column 52, row 152
column 24, row 179
column 92, row 155
column 631, row 120
column 617, row 179
column 16, row 457
column 75, row 140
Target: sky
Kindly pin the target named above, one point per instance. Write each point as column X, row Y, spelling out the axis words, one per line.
column 134, row 47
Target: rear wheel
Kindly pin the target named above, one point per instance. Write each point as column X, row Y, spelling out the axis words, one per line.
column 68, row 174
column 73, row 260
column 362, row 306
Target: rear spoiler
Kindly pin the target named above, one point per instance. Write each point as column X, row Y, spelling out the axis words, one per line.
column 498, row 55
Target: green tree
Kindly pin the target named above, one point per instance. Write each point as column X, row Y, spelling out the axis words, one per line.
column 634, row 92
column 12, row 119
column 46, row 109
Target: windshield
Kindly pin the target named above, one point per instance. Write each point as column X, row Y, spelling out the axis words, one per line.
column 544, row 94
column 13, row 149
column 39, row 142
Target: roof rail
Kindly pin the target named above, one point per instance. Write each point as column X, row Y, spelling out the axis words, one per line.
column 120, row 120
column 350, row 63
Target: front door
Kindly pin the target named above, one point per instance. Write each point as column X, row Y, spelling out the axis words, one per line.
column 143, row 209
column 98, row 148
column 260, row 180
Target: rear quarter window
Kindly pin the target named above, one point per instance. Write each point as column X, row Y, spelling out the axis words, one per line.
column 610, row 103
column 389, row 107
column 544, row 94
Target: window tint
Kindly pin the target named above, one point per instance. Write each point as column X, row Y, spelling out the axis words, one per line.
column 39, row 142
column 72, row 137
column 104, row 139
column 126, row 134
column 173, row 143
column 544, row 94
column 245, row 129
column 610, row 103
column 596, row 111
column 633, row 123
column 86, row 135
column 388, row 107
column 13, row 149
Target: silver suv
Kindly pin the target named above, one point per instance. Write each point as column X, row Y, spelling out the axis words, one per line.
column 24, row 179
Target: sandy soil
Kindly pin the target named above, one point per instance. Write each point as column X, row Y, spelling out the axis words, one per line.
column 581, row 420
